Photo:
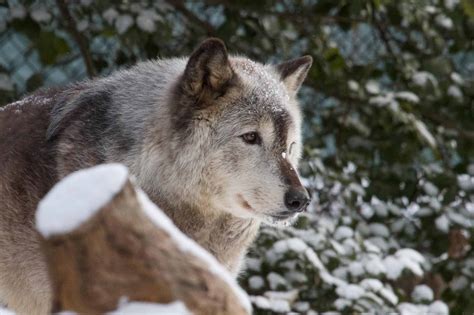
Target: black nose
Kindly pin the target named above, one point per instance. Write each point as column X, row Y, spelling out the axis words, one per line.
column 296, row 199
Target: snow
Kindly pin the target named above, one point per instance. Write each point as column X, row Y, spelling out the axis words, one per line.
column 279, row 306
column 356, row 268
column 17, row 11
column 389, row 295
column 340, row 272
column 372, row 87
column 430, row 9
column 353, row 85
column 375, row 266
column 350, row 291
column 422, row 293
column 442, row 223
column 281, row 247
column 123, row 23
column 423, row 77
column 289, row 296
column 470, row 207
column 256, row 282
column 6, row 83
column 412, row 309
column 82, row 25
column 371, row 247
column 383, row 100
column 32, row 100
column 430, row 189
column 340, row 250
column 380, row 242
column 459, row 283
column 466, row 182
column 343, row 232
column 146, row 23
column 435, row 308
column 456, row 77
column 412, row 209
column 261, row 302
column 325, row 275
column 4, row 311
column 379, row 206
column 405, row 258
column 110, row 15
column 350, row 168
column 296, row 245
column 451, row 4
column 367, row 211
column 301, row 306
column 393, row 267
column 144, row 308
column 444, row 21
column 379, row 229
column 470, row 169
column 40, row 15
column 276, row 281
column 438, row 308
column 371, row 284
column 188, row 245
column 411, row 254
column 408, row 96
column 341, row 304
column 78, row 197
column 296, row 276
column 455, row 92
column 253, row 264
column 424, row 132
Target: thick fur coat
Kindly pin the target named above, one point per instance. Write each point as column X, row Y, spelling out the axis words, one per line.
column 214, row 140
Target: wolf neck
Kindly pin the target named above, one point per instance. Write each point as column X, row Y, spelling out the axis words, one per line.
column 225, row 236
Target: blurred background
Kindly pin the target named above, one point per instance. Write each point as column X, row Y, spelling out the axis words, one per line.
column 389, row 132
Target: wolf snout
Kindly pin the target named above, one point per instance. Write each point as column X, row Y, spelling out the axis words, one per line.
column 296, row 200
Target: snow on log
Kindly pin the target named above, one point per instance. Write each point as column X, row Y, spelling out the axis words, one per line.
column 105, row 241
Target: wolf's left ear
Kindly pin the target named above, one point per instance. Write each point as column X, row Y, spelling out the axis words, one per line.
column 208, row 71
column 294, row 71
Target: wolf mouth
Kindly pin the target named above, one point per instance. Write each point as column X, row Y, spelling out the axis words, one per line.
column 284, row 215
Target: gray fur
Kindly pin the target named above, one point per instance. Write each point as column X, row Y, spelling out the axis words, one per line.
column 177, row 124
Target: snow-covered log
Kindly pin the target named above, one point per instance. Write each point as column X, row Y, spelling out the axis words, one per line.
column 106, row 242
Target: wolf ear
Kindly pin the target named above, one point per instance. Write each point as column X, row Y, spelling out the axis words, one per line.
column 294, row 71
column 208, row 72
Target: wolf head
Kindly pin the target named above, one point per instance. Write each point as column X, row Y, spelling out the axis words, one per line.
column 236, row 135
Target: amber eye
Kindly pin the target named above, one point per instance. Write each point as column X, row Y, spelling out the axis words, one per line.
column 251, row 138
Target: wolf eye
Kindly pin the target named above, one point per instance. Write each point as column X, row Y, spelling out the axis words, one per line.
column 251, row 138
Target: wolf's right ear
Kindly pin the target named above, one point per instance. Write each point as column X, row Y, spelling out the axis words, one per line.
column 208, row 72
column 294, row 71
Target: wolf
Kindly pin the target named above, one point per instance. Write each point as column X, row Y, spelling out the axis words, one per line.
column 213, row 139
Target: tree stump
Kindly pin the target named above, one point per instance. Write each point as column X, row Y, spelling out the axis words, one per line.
column 128, row 248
